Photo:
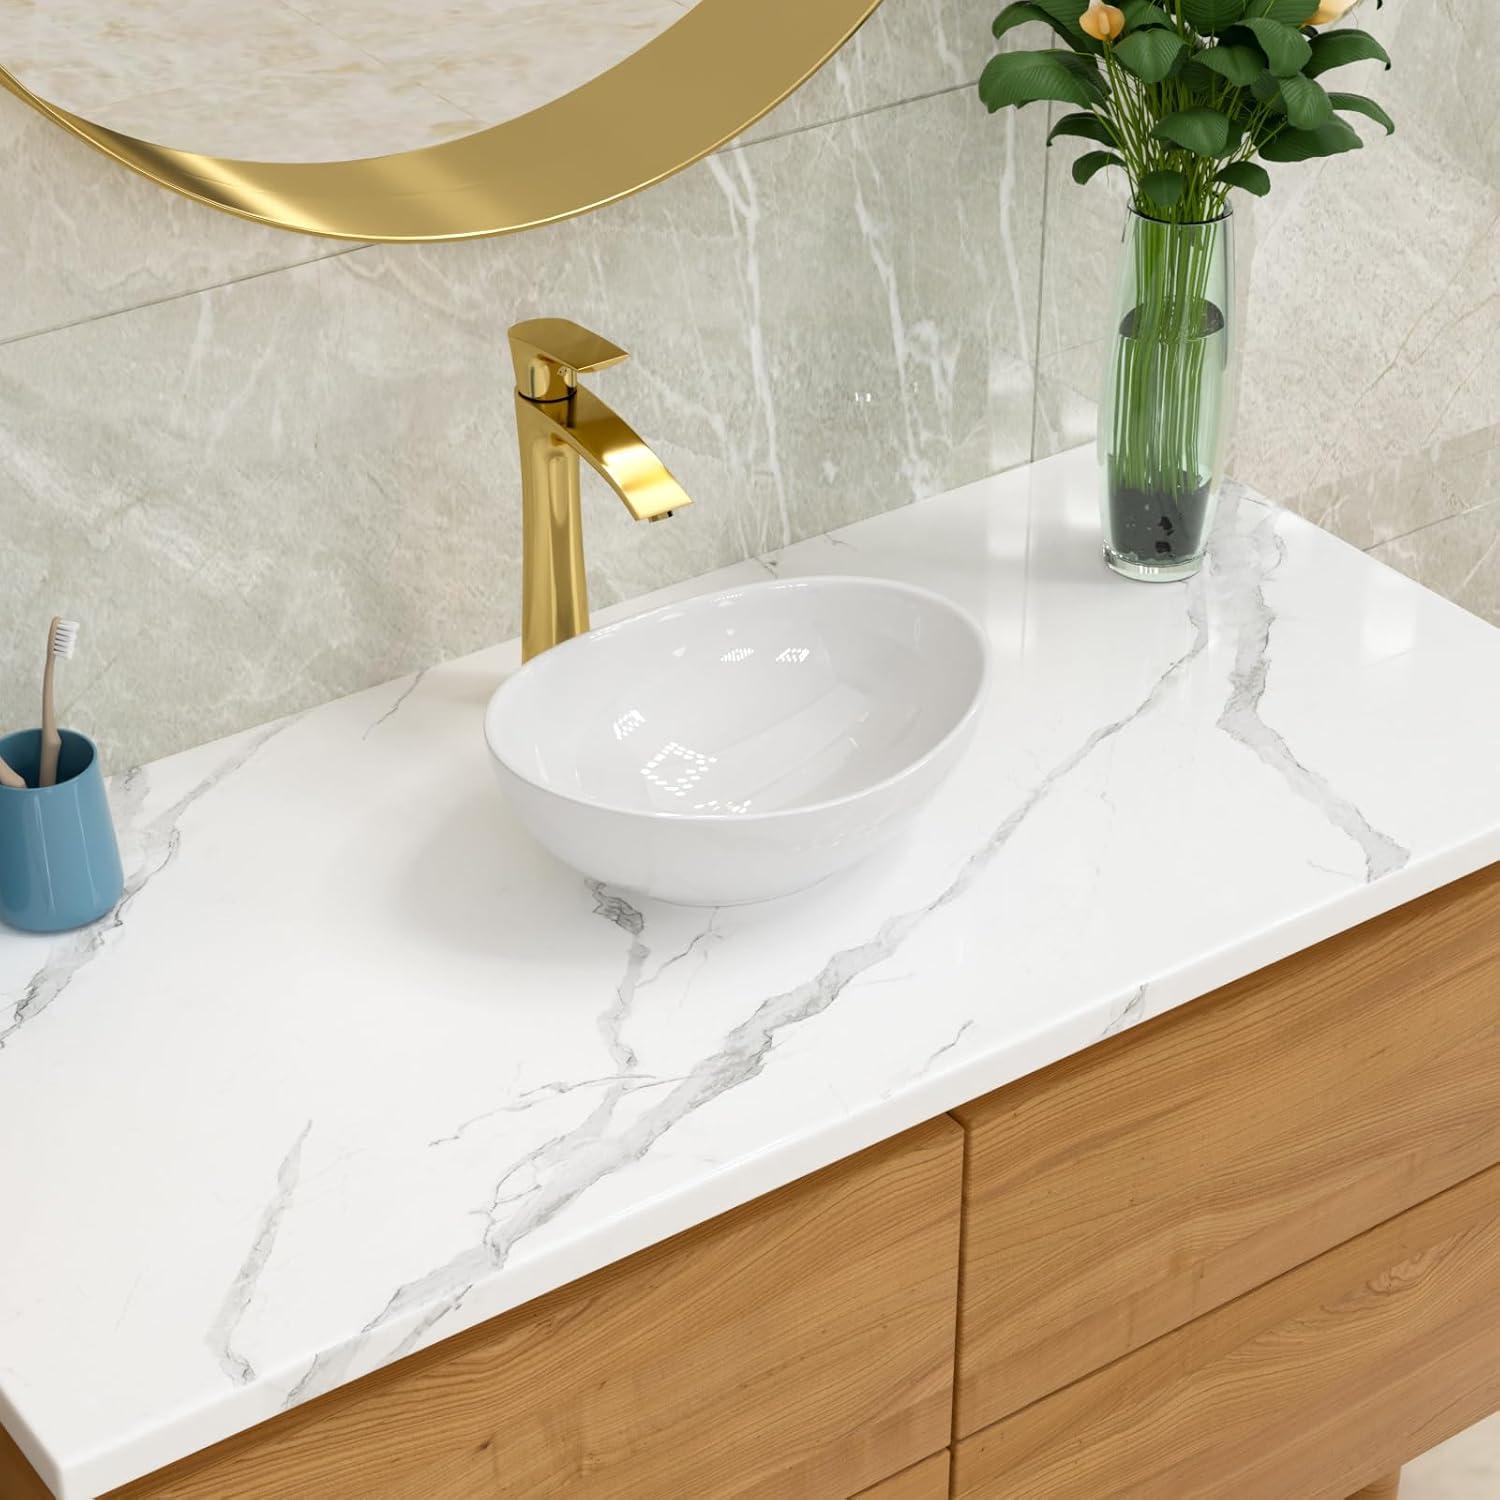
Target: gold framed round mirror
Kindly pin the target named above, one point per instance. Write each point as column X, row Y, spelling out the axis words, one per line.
column 678, row 79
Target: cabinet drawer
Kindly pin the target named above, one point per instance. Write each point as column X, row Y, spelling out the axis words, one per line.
column 799, row 1346
column 1117, row 1195
column 1311, row 1386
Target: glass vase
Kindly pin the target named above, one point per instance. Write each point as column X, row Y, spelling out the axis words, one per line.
column 1164, row 416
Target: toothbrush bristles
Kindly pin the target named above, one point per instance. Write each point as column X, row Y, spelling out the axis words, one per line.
column 64, row 637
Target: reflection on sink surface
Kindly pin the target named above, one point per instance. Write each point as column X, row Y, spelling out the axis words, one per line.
column 743, row 745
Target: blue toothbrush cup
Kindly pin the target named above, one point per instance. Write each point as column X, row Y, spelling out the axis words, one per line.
column 59, row 862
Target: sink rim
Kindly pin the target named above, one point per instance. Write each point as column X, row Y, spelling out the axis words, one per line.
column 776, row 585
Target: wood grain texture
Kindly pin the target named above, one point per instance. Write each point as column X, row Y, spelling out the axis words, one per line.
column 1383, row 1489
column 1124, row 1191
column 18, row 1480
column 927, row 1480
column 800, row 1345
column 1334, row 1374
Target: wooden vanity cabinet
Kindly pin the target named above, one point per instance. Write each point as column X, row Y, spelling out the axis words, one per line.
column 1308, row 1388
column 1124, row 1192
column 1250, row 1248
column 18, row 1480
column 801, row 1345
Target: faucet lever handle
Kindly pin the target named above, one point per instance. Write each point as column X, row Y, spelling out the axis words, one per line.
column 551, row 353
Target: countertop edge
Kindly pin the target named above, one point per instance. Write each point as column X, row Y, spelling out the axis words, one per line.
column 781, row 1163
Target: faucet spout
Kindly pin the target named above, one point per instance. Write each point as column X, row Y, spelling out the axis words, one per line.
column 558, row 423
column 614, row 451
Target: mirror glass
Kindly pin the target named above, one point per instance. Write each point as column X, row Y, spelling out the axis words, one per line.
column 316, row 80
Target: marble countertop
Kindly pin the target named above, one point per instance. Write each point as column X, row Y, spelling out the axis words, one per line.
column 356, row 1066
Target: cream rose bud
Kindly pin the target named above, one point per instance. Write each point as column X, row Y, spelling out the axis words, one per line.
column 1105, row 22
column 1329, row 11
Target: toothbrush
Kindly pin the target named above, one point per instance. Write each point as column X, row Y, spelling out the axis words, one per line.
column 9, row 778
column 61, row 639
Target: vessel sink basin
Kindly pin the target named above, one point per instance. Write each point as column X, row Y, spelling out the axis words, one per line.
column 741, row 745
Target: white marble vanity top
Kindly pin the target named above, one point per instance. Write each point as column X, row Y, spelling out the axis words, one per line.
column 356, row 1066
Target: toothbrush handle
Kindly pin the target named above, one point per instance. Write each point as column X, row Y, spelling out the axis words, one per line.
column 9, row 778
column 51, row 739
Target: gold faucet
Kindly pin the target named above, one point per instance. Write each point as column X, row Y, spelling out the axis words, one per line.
column 559, row 422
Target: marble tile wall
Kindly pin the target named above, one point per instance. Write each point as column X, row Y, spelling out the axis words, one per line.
column 1370, row 313
column 267, row 470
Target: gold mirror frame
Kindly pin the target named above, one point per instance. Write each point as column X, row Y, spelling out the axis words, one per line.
column 685, row 93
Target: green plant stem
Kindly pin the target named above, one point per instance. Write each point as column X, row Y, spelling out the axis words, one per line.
column 1168, row 362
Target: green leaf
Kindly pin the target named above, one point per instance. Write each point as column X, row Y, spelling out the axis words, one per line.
column 1195, row 79
column 1287, row 50
column 1307, row 106
column 1164, row 189
column 1335, row 49
column 1094, row 161
column 1359, row 105
column 1267, row 90
column 1061, row 15
column 1150, row 54
column 1142, row 13
column 1240, row 65
column 1304, row 145
column 1021, row 13
column 1248, row 175
column 1086, row 126
column 1020, row 78
column 1066, row 14
column 1288, row 12
column 1204, row 131
column 1210, row 17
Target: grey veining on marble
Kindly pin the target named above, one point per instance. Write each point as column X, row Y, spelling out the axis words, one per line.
column 91, row 239
column 1128, row 1012
column 148, row 844
column 291, row 486
column 515, row 1076
column 1389, row 348
column 1247, row 555
column 581, row 1157
column 241, row 1293
column 268, row 481
column 1459, row 557
column 907, row 49
column 1373, row 320
column 81, row 237
column 1409, row 496
column 1249, row 558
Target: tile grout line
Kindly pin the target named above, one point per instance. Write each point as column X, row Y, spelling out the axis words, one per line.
column 1458, row 515
column 195, row 291
column 858, row 114
column 215, row 286
column 1041, row 295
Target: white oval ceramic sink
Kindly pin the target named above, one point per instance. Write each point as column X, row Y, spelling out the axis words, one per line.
column 742, row 745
